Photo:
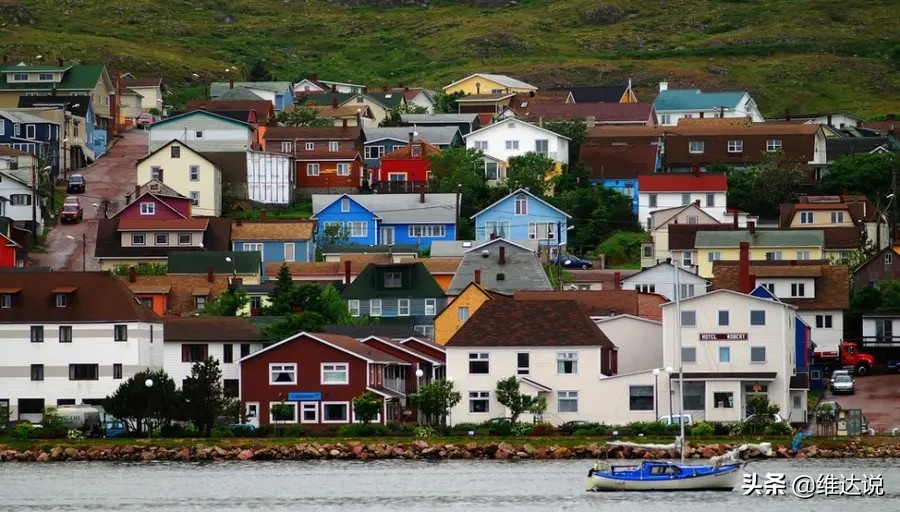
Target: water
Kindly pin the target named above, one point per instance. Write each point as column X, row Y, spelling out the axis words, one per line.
column 392, row 486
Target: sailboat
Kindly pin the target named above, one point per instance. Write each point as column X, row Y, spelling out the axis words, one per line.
column 718, row 474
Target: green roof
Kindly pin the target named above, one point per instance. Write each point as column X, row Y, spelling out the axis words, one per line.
column 239, row 93
column 217, row 89
column 775, row 238
column 82, row 77
column 369, row 249
column 418, row 283
column 391, row 100
column 33, row 68
column 197, row 262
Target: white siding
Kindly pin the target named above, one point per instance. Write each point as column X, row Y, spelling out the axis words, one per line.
column 219, row 135
column 639, row 342
column 179, row 370
column 525, row 134
column 10, row 187
column 672, row 199
column 661, row 279
column 270, row 177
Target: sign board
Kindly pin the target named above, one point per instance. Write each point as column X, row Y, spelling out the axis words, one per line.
column 727, row 336
column 304, row 396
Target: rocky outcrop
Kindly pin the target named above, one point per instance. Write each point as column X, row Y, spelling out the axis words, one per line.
column 16, row 14
column 416, row 450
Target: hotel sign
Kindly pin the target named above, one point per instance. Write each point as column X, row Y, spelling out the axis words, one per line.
column 717, row 336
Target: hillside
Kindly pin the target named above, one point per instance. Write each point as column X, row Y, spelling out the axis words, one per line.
column 801, row 55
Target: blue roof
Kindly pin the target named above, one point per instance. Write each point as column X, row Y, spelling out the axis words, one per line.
column 695, row 99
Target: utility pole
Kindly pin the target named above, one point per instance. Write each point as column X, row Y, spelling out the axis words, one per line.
column 84, row 252
column 894, row 208
column 458, row 198
column 559, row 256
column 34, row 224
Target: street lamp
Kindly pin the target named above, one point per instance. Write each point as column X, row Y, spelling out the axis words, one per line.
column 669, row 371
column 83, row 250
column 656, row 393
column 149, row 384
column 228, row 259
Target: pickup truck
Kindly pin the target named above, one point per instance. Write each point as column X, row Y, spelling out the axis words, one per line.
column 71, row 212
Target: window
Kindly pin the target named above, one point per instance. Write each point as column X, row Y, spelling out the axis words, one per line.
column 693, row 219
column 332, row 146
column 194, row 172
column 252, row 247
column 161, row 239
column 393, row 279
column 281, row 373
column 37, row 333
column 312, row 169
column 694, row 396
column 373, row 152
column 345, row 205
column 289, row 251
column 231, row 388
column 688, row 318
column 343, row 169
column 335, row 373
column 309, row 412
column 824, row 322
column 425, row 330
column 757, row 354
column 652, row 199
column 798, row 290
column 117, row 371
column 194, row 353
column 20, row 77
column 84, row 372
column 888, row 258
column 416, row 151
column 769, row 286
column 802, row 255
column 884, row 329
column 724, row 354
column 481, row 145
column 335, row 412
column 757, row 318
column 685, row 199
column 287, row 147
column 523, row 363
column 648, row 251
column 567, row 363
column 512, row 144
column 175, row 152
column 542, row 147
column 148, row 208
column 806, row 217
column 646, row 288
column 17, row 129
column 156, row 173
column 723, row 318
column 713, row 256
column 427, row 231
column 479, row 363
column 462, row 313
column 640, row 398
column 358, row 229
column 837, row 217
column 710, row 200
column 20, row 200
column 567, row 401
column 137, row 239
column 290, row 415
column 245, row 349
column 521, row 204
column 695, row 146
column 29, row 131
column 403, row 307
column 37, row 372
column 195, row 198
column 773, row 255
column 665, row 119
column 688, row 354
column 5, row 301
column 479, row 402
column 723, row 400
column 198, row 134
column 310, row 146
column 199, row 302
column 353, row 306
column 375, row 307
column 491, row 170
column 62, row 300
column 65, row 334
column 430, row 307
column 228, row 353
column 687, row 258
column 735, row 146
column 773, row 145
column 184, row 239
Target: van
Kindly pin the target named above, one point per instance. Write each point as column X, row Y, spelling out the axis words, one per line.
column 676, row 418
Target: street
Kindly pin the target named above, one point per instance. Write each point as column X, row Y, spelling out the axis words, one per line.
column 879, row 398
column 110, row 178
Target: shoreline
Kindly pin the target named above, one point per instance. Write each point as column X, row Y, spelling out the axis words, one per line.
column 194, row 450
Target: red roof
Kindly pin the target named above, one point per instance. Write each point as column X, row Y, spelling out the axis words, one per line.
column 163, row 224
column 683, row 183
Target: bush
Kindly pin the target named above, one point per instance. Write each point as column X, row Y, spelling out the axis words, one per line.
column 500, row 429
column 543, row 429
column 703, row 429
column 221, row 432
column 243, row 431
column 294, row 431
column 521, row 429
column 395, row 427
column 264, row 431
column 22, row 431
column 362, row 430
column 647, row 428
column 779, row 429
column 424, row 431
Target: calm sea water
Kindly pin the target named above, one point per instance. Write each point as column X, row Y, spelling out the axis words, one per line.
column 392, row 485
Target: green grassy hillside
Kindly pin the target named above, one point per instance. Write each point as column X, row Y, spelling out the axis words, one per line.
column 802, row 55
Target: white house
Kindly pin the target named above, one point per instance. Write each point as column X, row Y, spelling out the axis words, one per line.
column 660, row 279
column 555, row 351
column 16, row 199
column 226, row 339
column 663, row 191
column 313, row 85
column 880, row 328
column 514, row 137
column 674, row 104
column 204, row 132
column 270, row 177
column 70, row 338
column 639, row 341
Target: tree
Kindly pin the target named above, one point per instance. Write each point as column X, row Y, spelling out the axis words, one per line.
column 204, row 398
column 462, row 170
column 575, row 130
column 366, row 407
column 306, row 321
column 301, row 115
column 529, row 171
column 515, row 401
column 304, row 307
column 282, row 412
column 597, row 213
column 394, row 117
column 259, row 71
column 332, row 234
column 134, row 402
column 761, row 414
column 762, row 188
column 287, row 296
column 435, row 400
column 868, row 174
column 227, row 304
column 446, row 103
column 884, row 297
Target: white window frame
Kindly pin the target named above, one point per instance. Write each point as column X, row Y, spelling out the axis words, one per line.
column 272, row 418
column 690, row 313
column 253, row 247
column 372, row 308
column 136, row 236
column 481, row 145
column 803, row 255
column 5, row 301
column 567, row 397
column 345, row 205
column 314, row 409
column 427, row 231
column 287, row 147
column 30, row 131
column 564, row 357
column 696, row 147
column 195, row 198
column 888, row 258
column 148, row 208
column 459, row 313
column 723, row 350
column 345, row 404
column 430, row 307
column 521, row 204
column 765, row 355
column 361, row 228
column 652, row 200
column 158, row 236
column 283, row 367
column 713, row 256
column 806, row 218
column 735, row 146
column 512, row 145
column 478, row 357
column 479, row 396
column 401, row 305
column 310, row 146
column 798, row 290
column 312, row 169
column 334, row 368
column 765, row 320
column 343, row 169
column 333, row 146
column 353, row 306
column 773, row 145
column 293, row 251
column 194, row 173
column 837, row 217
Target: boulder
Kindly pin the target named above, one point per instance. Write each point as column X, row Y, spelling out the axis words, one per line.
column 245, row 455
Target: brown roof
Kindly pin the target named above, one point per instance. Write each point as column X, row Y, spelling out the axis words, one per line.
column 848, row 237
column 881, row 126
column 523, row 323
column 683, row 236
column 96, row 297
column 832, row 288
column 356, row 347
column 603, row 276
column 326, row 111
column 485, row 97
column 714, row 122
column 343, row 154
column 216, row 237
column 273, row 229
column 437, row 265
column 312, row 133
column 859, row 207
column 619, row 161
column 10, row 151
column 263, row 108
column 400, row 346
column 179, row 290
column 605, row 302
column 233, row 164
column 359, row 261
column 769, row 128
column 313, row 268
column 601, row 112
column 409, row 93
column 210, row 328
column 405, row 152
column 140, row 82
column 163, row 224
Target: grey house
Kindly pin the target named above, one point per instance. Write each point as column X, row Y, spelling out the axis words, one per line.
column 466, row 123
column 381, row 141
column 500, row 266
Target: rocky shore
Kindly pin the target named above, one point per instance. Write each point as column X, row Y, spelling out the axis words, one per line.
column 415, row 450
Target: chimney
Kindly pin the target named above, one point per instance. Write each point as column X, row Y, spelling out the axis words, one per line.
column 744, row 268
column 477, row 276
column 531, row 94
column 132, row 274
column 735, row 219
column 210, row 274
column 347, row 266
column 203, row 106
column 231, row 84
column 787, row 115
column 343, row 124
column 752, row 227
column 314, row 77
column 61, row 61
column 334, row 103
column 617, row 281
column 829, row 119
column 697, row 202
column 663, row 86
column 422, row 197
column 262, row 214
column 502, row 259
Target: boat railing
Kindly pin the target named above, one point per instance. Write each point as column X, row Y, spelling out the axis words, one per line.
column 602, row 467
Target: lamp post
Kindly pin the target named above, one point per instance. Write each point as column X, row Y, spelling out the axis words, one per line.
column 149, row 384
column 419, row 375
column 656, row 393
column 669, row 371
column 83, row 250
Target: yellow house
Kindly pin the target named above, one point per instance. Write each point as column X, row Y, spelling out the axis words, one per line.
column 187, row 172
column 800, row 244
column 485, row 83
column 62, row 79
column 460, row 309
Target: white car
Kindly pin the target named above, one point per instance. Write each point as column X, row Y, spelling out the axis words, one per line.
column 674, row 419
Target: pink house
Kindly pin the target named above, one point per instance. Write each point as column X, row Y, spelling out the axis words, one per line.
column 154, row 200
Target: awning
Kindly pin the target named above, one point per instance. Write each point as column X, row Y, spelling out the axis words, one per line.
column 727, row 375
column 9, row 291
column 64, row 289
column 800, row 382
column 153, row 290
column 200, row 292
column 536, row 385
column 385, row 392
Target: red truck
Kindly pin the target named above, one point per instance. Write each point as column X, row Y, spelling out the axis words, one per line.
column 847, row 354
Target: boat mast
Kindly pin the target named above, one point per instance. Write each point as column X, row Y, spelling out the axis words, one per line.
column 676, row 267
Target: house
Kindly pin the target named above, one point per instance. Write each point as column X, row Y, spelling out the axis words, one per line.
column 9, row 249
column 388, row 219
column 129, row 241
column 878, row 329
column 178, row 295
column 276, row 240
column 313, row 85
column 262, row 110
column 835, row 119
column 713, row 246
column 521, row 102
column 326, row 158
column 513, row 137
column 350, row 113
column 660, row 279
column 500, row 266
column 422, row 98
column 19, row 203
column 32, row 134
column 638, row 340
column 597, row 279
column 441, row 269
column 75, row 115
column 154, row 200
column 618, row 167
column 556, row 352
column 270, row 177
column 485, row 83
column 193, row 339
column 204, row 132
column 77, row 345
column 819, row 290
column 17, row 163
column 381, row 104
column 523, row 216
column 659, row 191
column 831, row 213
column 339, row 269
column 880, row 267
column 65, row 79
column 460, row 309
column 381, row 141
column 248, row 116
column 466, row 123
column 317, row 376
column 485, row 105
column 806, row 376
column 358, row 253
column 674, row 104
column 860, row 141
column 150, row 91
column 605, row 303
column 593, row 114
column 602, row 94
column 281, row 94
column 405, row 169
column 457, row 248
column 189, row 173
column 243, row 265
column 396, row 293
column 676, row 241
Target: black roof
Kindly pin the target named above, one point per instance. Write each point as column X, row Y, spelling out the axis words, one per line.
column 238, row 115
column 837, row 147
column 380, row 330
column 109, row 242
column 80, row 110
column 597, row 94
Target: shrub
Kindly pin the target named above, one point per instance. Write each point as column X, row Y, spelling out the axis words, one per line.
column 424, row 431
column 264, row 431
column 362, row 430
column 703, row 429
column 221, row 432
column 521, row 429
column 22, row 431
column 294, row 431
column 647, row 428
column 778, row 429
column 543, row 429
column 500, row 429
column 75, row 434
column 242, row 431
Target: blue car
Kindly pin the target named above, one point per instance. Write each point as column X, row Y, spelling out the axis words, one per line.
column 570, row 261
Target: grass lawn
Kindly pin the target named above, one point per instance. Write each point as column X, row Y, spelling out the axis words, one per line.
column 631, row 265
column 301, row 210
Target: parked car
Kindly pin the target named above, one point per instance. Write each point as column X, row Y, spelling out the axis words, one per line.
column 76, row 184
column 72, row 200
column 71, row 212
column 835, row 407
column 145, row 120
column 776, row 418
column 837, row 373
column 676, row 419
column 573, row 262
column 498, row 420
column 842, row 385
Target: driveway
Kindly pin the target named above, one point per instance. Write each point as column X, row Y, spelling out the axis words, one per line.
column 879, row 398
column 110, row 178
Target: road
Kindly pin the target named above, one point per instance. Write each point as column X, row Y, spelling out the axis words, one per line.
column 110, row 178
column 879, row 398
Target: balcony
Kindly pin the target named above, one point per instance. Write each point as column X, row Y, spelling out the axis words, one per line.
column 883, row 341
column 401, row 187
column 395, row 384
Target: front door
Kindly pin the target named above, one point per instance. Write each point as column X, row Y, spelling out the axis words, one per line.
column 252, row 413
column 387, row 235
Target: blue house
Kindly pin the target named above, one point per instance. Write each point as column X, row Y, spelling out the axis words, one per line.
column 281, row 94
column 32, row 134
column 86, row 145
column 803, row 344
column 387, row 219
column 277, row 241
column 522, row 216
column 618, row 167
column 381, row 141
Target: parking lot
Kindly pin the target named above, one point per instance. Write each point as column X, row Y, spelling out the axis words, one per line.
column 879, row 398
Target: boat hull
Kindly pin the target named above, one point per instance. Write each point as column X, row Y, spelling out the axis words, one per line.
column 724, row 478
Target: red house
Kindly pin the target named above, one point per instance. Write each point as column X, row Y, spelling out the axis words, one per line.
column 326, row 158
column 8, row 250
column 406, row 169
column 317, row 376
column 154, row 200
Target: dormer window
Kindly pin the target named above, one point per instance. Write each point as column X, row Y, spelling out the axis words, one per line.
column 393, row 279
column 20, row 77
column 148, row 208
column 332, row 146
column 416, row 151
column 837, row 217
column 45, row 77
column 521, row 204
column 62, row 300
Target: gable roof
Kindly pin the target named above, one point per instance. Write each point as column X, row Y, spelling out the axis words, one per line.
column 387, row 99
column 691, row 275
column 517, row 192
column 163, row 224
column 341, row 111
column 217, row 237
column 713, row 293
column 405, row 152
column 360, row 249
column 201, row 113
column 24, row 117
column 762, row 238
column 403, row 348
column 603, row 302
column 75, row 77
column 77, row 105
column 437, row 135
column 683, row 236
column 683, row 183
column 239, row 93
column 159, row 198
column 219, row 88
column 414, row 119
column 602, row 113
column 694, row 99
column 393, row 331
column 437, row 266
column 623, row 162
column 199, row 262
column 345, row 344
column 457, row 248
column 514, row 120
column 538, row 323
column 366, row 285
column 598, row 94
column 521, row 271
column 180, row 143
column 132, row 82
column 675, row 211
column 397, row 208
column 210, row 328
column 500, row 79
column 272, row 230
column 312, row 133
column 263, row 108
column 832, row 286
